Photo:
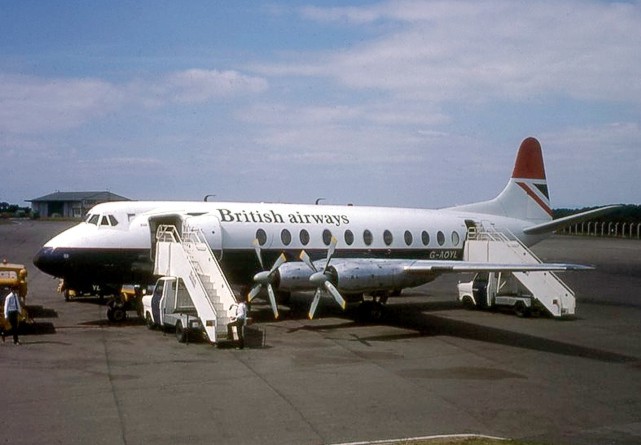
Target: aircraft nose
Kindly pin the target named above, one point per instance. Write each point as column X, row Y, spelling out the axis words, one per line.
column 49, row 261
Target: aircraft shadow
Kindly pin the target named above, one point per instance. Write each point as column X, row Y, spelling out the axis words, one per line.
column 419, row 318
column 425, row 324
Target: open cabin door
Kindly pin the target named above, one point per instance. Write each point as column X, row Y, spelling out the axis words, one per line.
column 209, row 226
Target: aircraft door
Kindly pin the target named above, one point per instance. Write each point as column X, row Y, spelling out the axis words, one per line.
column 209, row 226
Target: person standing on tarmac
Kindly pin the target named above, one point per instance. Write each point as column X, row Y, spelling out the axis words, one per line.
column 11, row 313
column 239, row 321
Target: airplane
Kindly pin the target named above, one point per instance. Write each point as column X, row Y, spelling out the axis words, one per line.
column 340, row 251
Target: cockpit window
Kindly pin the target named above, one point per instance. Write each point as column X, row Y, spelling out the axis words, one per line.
column 93, row 219
column 104, row 220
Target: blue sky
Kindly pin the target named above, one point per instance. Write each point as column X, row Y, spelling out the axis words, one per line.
column 419, row 104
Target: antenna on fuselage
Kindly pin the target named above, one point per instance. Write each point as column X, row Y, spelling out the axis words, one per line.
column 207, row 196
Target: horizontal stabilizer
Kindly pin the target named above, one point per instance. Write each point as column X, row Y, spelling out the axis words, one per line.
column 560, row 223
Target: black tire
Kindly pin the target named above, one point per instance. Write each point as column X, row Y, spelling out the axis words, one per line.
column 116, row 314
column 371, row 312
column 468, row 303
column 181, row 333
column 521, row 310
column 149, row 322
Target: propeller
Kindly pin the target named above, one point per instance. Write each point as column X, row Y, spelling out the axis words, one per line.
column 265, row 278
column 322, row 279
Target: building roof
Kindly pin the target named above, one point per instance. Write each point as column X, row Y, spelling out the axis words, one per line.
column 80, row 196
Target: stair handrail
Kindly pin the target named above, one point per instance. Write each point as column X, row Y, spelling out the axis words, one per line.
column 169, row 233
column 198, row 236
column 504, row 235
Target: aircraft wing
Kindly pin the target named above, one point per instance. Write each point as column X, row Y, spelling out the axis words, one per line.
column 430, row 266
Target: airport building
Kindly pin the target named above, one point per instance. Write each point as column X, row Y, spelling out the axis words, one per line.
column 70, row 204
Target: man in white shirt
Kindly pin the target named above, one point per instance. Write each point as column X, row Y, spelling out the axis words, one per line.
column 11, row 312
column 239, row 321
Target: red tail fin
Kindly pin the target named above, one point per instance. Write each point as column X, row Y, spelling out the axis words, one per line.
column 529, row 161
column 526, row 194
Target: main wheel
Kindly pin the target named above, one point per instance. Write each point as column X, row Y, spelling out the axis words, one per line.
column 371, row 312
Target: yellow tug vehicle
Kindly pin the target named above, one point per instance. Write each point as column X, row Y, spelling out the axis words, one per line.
column 13, row 276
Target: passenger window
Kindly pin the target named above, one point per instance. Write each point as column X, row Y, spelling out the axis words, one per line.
column 367, row 237
column 304, row 237
column 261, row 236
column 440, row 238
column 349, row 237
column 388, row 237
column 408, row 238
column 285, row 237
column 455, row 238
column 425, row 237
column 327, row 237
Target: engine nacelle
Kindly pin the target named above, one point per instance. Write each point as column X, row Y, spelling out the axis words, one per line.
column 294, row 277
column 352, row 276
column 355, row 276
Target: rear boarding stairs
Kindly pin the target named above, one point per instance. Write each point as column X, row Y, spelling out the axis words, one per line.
column 545, row 287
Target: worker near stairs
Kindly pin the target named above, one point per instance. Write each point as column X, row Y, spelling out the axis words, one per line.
column 239, row 321
column 11, row 313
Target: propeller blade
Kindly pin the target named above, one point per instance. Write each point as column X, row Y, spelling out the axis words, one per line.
column 254, row 291
column 331, row 250
column 312, row 309
column 279, row 262
column 337, row 296
column 257, row 249
column 264, row 278
column 272, row 300
column 307, row 260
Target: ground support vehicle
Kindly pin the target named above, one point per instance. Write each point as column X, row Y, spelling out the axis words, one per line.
column 13, row 276
column 169, row 307
column 130, row 299
column 495, row 290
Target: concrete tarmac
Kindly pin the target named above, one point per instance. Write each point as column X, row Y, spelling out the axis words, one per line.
column 429, row 368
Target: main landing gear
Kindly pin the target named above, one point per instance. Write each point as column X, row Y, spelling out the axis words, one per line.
column 372, row 311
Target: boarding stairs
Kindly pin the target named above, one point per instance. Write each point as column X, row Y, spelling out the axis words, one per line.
column 503, row 247
column 189, row 257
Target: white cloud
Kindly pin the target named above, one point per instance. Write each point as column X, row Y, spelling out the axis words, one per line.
column 196, row 86
column 481, row 51
column 31, row 104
